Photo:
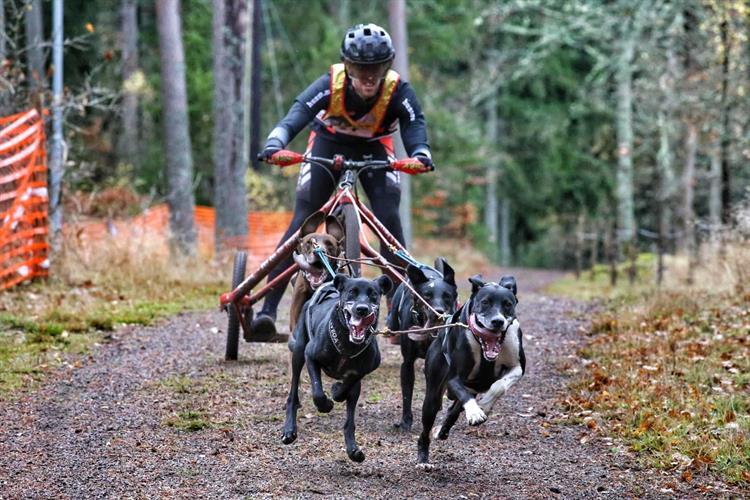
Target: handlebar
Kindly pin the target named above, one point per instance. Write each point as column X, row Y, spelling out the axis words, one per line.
column 286, row 158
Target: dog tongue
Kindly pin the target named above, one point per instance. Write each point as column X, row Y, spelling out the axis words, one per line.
column 488, row 339
column 358, row 326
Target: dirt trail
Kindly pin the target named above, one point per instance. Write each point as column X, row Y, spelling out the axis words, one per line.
column 114, row 427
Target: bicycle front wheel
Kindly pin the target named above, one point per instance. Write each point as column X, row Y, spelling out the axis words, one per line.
column 351, row 229
column 233, row 324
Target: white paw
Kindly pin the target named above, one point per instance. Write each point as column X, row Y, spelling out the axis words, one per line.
column 425, row 467
column 474, row 414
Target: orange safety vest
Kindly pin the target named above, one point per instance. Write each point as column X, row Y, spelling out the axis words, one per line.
column 337, row 120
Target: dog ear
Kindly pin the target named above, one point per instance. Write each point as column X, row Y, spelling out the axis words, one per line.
column 476, row 283
column 449, row 276
column 339, row 280
column 416, row 275
column 385, row 284
column 509, row 282
column 334, row 228
column 311, row 224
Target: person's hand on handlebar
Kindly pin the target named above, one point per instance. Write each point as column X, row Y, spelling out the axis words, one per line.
column 272, row 146
column 426, row 161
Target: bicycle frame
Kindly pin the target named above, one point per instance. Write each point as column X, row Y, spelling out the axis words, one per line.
column 240, row 299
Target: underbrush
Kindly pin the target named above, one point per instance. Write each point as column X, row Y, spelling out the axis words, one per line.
column 94, row 287
column 667, row 370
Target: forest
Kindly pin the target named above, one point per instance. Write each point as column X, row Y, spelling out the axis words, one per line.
column 597, row 150
column 550, row 121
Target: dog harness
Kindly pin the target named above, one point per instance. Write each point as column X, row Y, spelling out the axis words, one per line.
column 337, row 120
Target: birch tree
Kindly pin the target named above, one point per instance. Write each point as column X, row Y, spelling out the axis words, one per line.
column 179, row 160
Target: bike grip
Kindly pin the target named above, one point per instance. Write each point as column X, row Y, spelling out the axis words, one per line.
column 411, row 166
column 285, row 158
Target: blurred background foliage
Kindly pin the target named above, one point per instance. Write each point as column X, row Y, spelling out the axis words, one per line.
column 549, row 63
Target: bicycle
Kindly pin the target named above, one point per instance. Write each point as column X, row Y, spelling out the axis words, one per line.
column 238, row 302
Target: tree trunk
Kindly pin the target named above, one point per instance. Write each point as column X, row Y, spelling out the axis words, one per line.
column 255, row 83
column 34, row 50
column 579, row 239
column 505, row 256
column 3, row 49
column 179, row 160
column 229, row 23
column 397, row 19
column 726, row 186
column 664, row 159
column 624, row 178
column 491, row 205
column 129, row 146
column 714, row 189
column 56, row 163
column 688, row 190
column 594, row 248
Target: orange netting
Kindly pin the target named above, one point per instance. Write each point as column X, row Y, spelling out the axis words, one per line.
column 265, row 230
column 23, row 199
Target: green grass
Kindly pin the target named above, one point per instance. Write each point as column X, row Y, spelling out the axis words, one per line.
column 32, row 341
column 189, row 420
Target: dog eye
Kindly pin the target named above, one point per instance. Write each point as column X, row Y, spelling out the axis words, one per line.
column 485, row 302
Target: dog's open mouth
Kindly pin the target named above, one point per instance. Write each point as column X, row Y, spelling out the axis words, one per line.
column 315, row 276
column 358, row 326
column 490, row 340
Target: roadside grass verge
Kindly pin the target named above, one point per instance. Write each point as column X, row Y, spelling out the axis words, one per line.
column 96, row 286
column 667, row 370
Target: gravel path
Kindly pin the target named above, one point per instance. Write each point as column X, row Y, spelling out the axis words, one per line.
column 116, row 426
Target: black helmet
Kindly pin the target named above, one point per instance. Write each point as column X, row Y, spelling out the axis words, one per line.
column 367, row 44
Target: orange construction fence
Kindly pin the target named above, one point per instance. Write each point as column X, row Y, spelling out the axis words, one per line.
column 23, row 199
column 265, row 230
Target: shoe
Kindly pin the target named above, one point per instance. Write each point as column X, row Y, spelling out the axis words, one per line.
column 262, row 328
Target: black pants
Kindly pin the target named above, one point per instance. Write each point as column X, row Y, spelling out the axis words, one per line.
column 315, row 186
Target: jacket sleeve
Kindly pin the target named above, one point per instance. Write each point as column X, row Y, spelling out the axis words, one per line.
column 411, row 121
column 313, row 99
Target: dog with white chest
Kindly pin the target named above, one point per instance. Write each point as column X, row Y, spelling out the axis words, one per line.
column 476, row 365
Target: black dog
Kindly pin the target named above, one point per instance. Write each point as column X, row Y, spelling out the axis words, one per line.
column 335, row 334
column 438, row 287
column 487, row 358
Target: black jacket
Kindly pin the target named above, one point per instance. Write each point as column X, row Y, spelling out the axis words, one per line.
column 403, row 109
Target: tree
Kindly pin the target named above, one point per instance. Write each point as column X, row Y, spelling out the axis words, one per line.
column 229, row 23
column 179, row 162
column 129, row 140
column 397, row 19
column 34, row 49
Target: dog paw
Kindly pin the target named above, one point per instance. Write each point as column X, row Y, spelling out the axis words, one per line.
column 403, row 426
column 474, row 414
column 442, row 434
column 356, row 455
column 337, row 392
column 289, row 437
column 323, row 404
column 426, row 467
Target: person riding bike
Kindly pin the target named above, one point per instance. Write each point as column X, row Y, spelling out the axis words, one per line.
column 353, row 110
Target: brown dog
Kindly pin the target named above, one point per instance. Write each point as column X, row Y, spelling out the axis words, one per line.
column 313, row 272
